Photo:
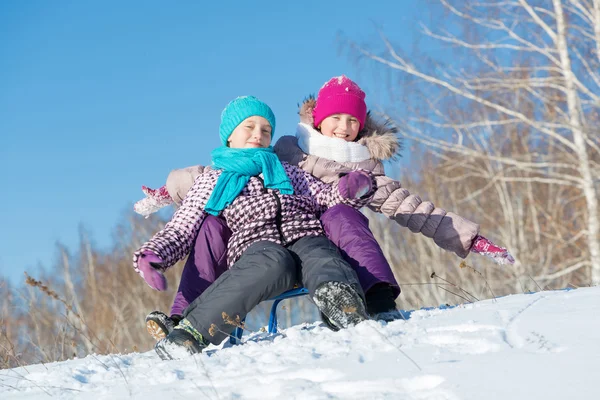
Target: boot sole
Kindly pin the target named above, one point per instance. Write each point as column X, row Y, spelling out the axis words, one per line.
column 162, row 353
column 345, row 308
column 155, row 330
column 178, row 345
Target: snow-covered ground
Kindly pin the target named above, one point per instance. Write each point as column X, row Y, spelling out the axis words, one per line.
column 531, row 346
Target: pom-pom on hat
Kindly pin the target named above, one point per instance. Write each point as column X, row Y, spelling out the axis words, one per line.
column 340, row 95
column 238, row 110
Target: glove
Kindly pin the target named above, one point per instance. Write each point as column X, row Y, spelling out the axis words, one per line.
column 155, row 200
column 149, row 265
column 484, row 246
column 355, row 185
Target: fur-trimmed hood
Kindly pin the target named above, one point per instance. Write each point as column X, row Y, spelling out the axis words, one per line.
column 380, row 138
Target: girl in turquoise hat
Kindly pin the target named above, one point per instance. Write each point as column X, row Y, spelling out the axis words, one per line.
column 277, row 242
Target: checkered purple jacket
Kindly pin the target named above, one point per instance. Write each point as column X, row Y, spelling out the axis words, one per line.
column 252, row 216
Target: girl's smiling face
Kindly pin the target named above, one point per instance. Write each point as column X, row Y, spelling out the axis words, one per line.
column 253, row 132
column 343, row 126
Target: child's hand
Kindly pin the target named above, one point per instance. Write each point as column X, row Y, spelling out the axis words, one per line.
column 149, row 265
column 485, row 247
column 155, row 200
column 355, row 185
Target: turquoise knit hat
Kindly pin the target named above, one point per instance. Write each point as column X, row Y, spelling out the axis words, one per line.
column 240, row 109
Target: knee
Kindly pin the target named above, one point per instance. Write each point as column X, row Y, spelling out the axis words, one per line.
column 286, row 268
column 273, row 260
column 281, row 261
column 344, row 214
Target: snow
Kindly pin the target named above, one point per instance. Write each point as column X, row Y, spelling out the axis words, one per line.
column 529, row 346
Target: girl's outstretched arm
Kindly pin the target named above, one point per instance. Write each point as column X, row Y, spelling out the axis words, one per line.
column 449, row 231
column 175, row 240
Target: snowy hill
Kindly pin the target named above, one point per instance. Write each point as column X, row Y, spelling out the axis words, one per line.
column 535, row 346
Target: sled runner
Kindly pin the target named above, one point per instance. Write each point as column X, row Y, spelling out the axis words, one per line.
column 296, row 292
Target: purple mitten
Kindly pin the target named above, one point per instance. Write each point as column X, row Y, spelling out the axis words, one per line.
column 147, row 264
column 355, row 184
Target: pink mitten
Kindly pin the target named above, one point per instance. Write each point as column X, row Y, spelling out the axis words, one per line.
column 155, row 200
column 484, row 246
column 148, row 265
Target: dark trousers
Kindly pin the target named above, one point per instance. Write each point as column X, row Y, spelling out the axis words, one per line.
column 263, row 271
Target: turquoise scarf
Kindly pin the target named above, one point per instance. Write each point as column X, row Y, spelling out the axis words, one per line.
column 238, row 166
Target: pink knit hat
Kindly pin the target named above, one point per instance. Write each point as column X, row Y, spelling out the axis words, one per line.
column 340, row 95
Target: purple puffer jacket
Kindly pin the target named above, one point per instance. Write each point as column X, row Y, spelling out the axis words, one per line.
column 256, row 214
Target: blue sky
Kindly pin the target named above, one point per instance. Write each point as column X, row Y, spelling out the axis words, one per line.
column 100, row 97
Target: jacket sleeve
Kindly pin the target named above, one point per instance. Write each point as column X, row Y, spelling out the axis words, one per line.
column 328, row 195
column 449, row 231
column 180, row 181
column 287, row 150
column 328, row 171
column 175, row 240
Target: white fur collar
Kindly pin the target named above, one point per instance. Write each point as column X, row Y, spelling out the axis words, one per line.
column 312, row 142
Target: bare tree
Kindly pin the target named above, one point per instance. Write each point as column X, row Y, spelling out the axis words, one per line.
column 527, row 67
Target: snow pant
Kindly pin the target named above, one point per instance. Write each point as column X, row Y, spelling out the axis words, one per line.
column 265, row 270
column 345, row 226
column 206, row 262
column 349, row 230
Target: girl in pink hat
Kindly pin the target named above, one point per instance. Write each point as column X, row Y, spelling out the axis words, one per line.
column 336, row 135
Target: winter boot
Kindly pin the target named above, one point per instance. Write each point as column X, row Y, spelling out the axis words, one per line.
column 328, row 323
column 340, row 304
column 159, row 325
column 182, row 342
column 381, row 304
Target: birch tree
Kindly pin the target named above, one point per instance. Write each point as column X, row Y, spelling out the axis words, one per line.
column 525, row 65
